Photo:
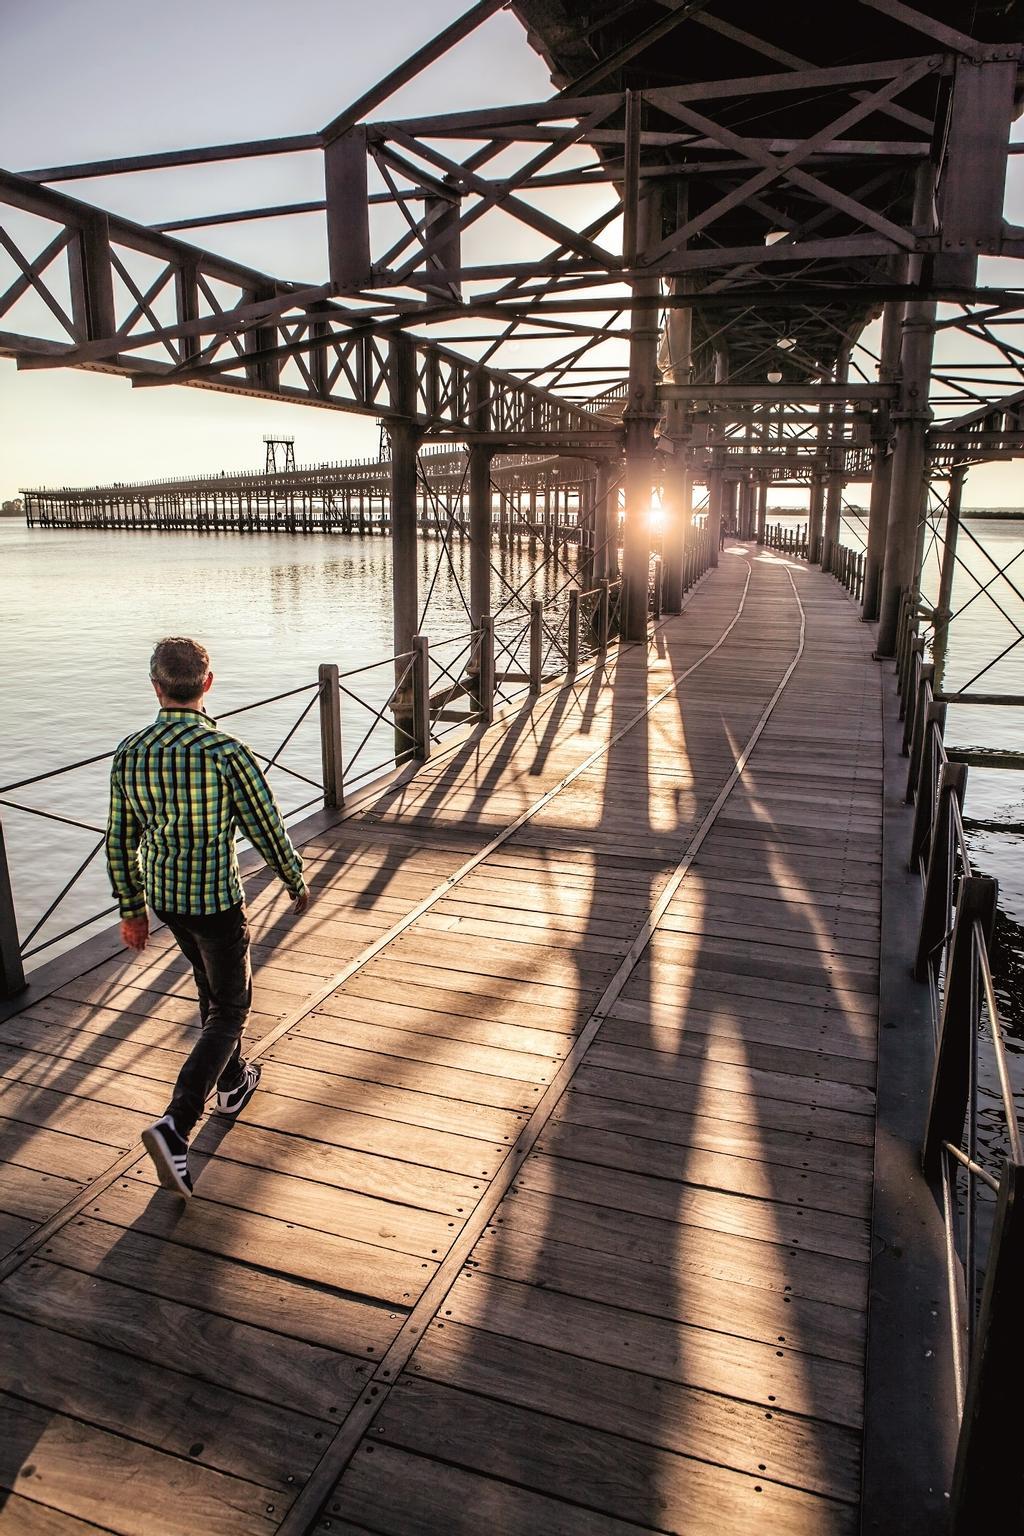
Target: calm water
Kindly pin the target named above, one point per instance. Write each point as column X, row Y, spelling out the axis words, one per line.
column 80, row 611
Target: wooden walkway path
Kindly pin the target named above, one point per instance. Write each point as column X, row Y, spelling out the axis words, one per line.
column 552, row 1214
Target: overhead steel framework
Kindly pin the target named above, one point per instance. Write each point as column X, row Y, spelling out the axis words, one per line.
column 672, row 261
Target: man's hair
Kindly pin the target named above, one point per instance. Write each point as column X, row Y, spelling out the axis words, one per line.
column 179, row 667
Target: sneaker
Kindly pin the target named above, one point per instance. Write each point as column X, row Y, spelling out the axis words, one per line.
column 169, row 1152
column 231, row 1101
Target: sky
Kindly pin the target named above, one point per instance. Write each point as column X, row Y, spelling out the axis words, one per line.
column 90, row 79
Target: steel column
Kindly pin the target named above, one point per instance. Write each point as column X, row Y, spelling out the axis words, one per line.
column 606, row 516
column 479, row 531
column 716, row 490
column 676, row 501
column 641, row 415
column 405, row 439
column 943, row 603
column 814, row 516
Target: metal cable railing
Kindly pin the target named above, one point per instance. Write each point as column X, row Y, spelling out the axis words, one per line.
column 430, row 692
column 954, row 960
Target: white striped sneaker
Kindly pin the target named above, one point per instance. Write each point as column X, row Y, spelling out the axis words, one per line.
column 169, row 1152
column 231, row 1101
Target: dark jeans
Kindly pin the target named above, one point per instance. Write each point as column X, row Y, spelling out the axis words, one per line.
column 218, row 948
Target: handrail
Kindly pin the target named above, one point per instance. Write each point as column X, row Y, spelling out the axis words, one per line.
column 954, row 960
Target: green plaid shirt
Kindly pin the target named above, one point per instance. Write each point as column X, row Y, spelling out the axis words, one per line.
column 180, row 790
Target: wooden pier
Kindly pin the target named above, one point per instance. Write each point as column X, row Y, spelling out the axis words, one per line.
column 552, row 1213
column 550, row 498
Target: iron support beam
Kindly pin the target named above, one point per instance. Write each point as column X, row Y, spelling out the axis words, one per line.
column 640, row 418
column 405, row 439
column 479, row 531
column 909, row 482
column 881, row 465
column 348, row 223
column 943, row 610
column 814, row 517
column 716, row 493
column 676, row 501
column 606, row 518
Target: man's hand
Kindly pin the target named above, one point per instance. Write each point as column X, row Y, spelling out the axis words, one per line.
column 300, row 902
column 135, row 932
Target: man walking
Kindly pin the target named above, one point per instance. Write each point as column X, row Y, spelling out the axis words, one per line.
column 179, row 790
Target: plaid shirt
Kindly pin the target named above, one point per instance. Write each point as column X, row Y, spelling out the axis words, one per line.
column 179, row 792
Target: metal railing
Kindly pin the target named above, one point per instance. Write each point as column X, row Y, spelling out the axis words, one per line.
column 954, row 959
column 427, row 693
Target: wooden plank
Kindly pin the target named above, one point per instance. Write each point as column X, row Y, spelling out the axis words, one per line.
column 435, row 1049
column 561, row 1459
column 319, row 1160
column 263, row 1442
column 200, row 1344
column 738, row 1043
column 823, row 1458
column 29, row 1107
column 78, row 1470
column 753, row 1311
column 416, row 971
column 33, row 1195
column 670, row 1129
column 323, row 1208
column 119, row 1088
column 450, row 1082
column 382, row 1485
column 772, row 1221
column 375, row 983
column 751, row 1175
column 549, row 1042
column 792, row 1115
column 53, row 1152
column 406, row 1103
column 238, row 1291
column 13, row 1231
column 728, row 1077
column 368, row 1133
column 697, row 1357
column 379, row 1274
column 27, row 1518
column 501, row 960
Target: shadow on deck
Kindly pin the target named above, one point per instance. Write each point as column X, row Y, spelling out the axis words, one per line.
column 553, row 1210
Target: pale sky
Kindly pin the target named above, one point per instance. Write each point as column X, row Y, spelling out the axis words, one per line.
column 89, row 79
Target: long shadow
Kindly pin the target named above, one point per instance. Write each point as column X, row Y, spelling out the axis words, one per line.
column 670, row 1269
column 668, row 1180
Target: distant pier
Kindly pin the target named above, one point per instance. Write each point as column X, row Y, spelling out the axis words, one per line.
column 549, row 499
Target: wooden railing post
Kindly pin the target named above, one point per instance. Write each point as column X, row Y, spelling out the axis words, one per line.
column 486, row 668
column 950, row 1088
column 573, row 643
column 330, row 738
column 536, row 637
column 421, row 697
column 938, row 839
column 922, row 747
column 12, row 971
column 656, row 594
column 987, row 1492
column 907, row 683
column 603, row 616
column 917, row 708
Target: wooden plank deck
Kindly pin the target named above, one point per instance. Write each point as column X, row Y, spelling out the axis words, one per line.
column 552, row 1212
